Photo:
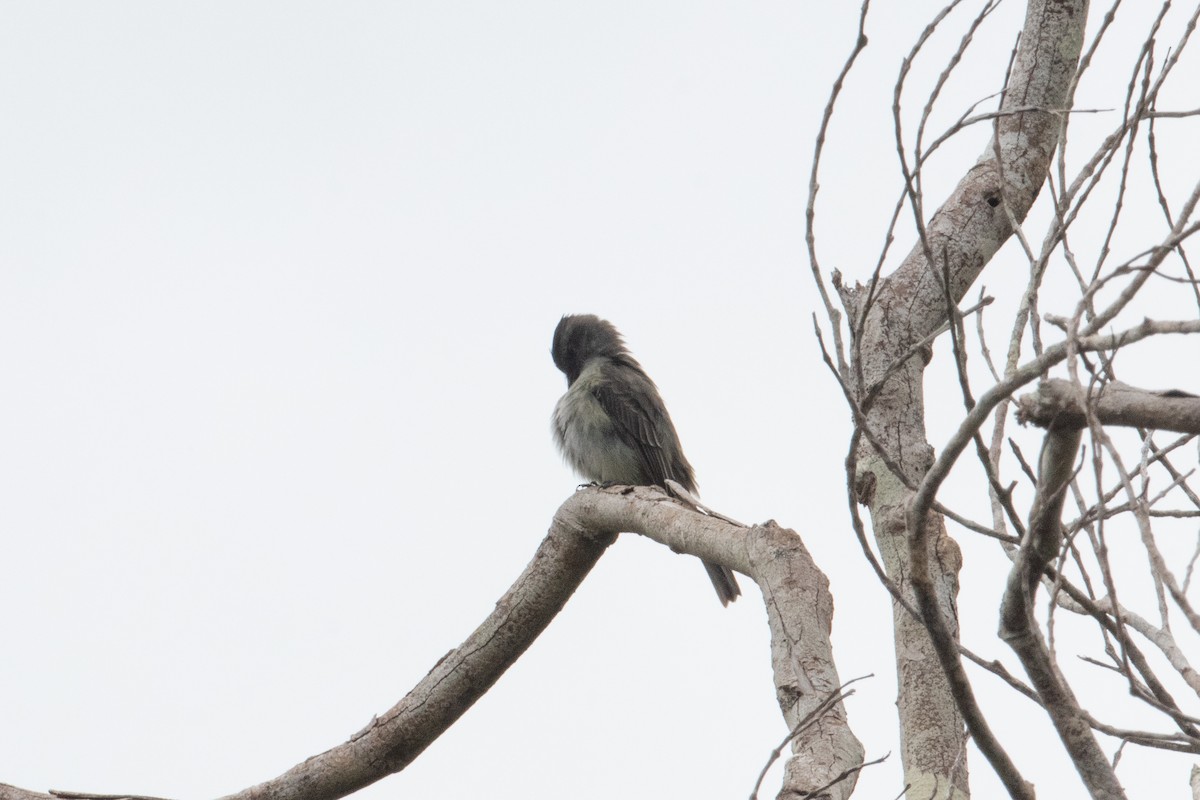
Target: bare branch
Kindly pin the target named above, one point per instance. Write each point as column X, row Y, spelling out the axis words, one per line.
column 1018, row 629
column 1023, row 375
column 1059, row 402
column 824, row 707
column 799, row 613
column 395, row 738
column 810, row 210
column 825, row 753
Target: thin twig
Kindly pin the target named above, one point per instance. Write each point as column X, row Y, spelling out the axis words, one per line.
column 811, row 718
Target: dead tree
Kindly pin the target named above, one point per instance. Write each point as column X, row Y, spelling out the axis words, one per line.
column 880, row 348
column 880, row 351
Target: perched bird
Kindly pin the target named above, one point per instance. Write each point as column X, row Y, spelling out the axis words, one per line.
column 611, row 425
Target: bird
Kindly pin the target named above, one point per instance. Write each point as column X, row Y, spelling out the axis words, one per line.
column 612, row 426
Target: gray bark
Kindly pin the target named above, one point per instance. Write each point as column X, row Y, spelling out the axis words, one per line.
column 825, row 756
column 904, row 308
column 1043, row 538
column 1061, row 403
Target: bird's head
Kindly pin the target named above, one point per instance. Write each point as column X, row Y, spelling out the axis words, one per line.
column 580, row 338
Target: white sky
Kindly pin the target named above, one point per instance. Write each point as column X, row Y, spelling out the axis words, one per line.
column 277, row 284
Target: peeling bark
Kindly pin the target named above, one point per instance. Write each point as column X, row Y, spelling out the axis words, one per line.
column 896, row 315
column 825, row 757
column 1061, row 403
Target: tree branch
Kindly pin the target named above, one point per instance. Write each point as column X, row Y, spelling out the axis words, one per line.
column 799, row 613
column 1040, row 547
column 958, row 242
column 394, row 739
column 799, row 610
column 1061, row 403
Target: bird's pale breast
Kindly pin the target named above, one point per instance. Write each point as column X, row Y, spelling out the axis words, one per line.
column 586, row 437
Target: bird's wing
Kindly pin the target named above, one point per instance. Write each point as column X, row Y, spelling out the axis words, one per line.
column 632, row 413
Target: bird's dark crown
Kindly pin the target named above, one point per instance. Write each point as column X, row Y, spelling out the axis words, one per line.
column 580, row 337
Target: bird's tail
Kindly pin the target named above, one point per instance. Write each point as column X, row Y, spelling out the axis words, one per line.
column 723, row 581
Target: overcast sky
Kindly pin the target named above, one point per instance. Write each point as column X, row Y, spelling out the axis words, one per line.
column 277, row 284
